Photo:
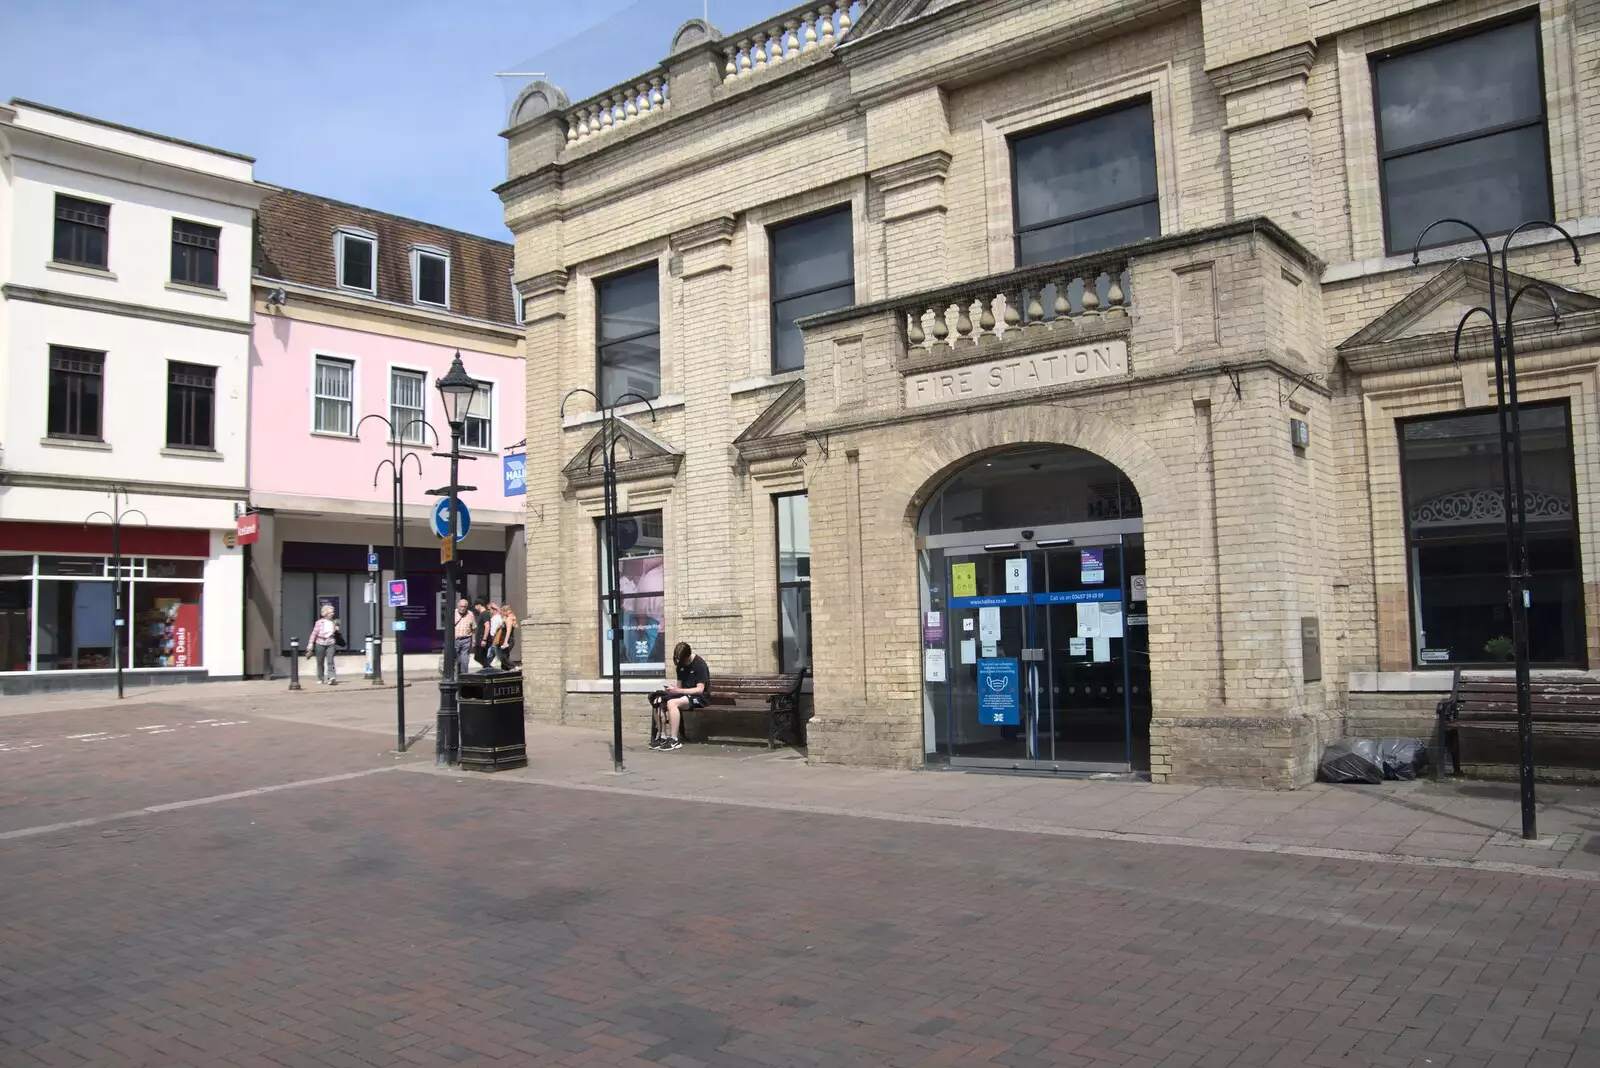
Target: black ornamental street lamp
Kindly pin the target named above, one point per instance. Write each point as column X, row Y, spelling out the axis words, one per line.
column 119, row 618
column 456, row 388
column 608, row 462
column 1503, row 333
column 397, row 470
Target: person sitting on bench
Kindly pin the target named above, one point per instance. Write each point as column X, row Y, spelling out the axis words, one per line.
column 694, row 684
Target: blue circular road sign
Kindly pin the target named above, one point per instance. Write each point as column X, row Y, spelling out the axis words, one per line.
column 441, row 518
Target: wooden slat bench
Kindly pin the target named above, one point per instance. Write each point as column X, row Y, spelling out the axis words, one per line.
column 772, row 701
column 1566, row 711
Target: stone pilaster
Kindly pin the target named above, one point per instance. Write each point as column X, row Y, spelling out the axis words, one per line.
column 1269, row 137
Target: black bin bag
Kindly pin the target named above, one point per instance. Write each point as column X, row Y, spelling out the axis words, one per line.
column 1352, row 760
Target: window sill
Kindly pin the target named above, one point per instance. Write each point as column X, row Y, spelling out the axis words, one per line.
column 78, row 268
column 1444, row 254
column 479, row 452
column 659, row 404
column 333, row 436
column 355, row 289
column 76, row 443
column 431, row 304
column 199, row 291
column 191, row 454
column 750, row 385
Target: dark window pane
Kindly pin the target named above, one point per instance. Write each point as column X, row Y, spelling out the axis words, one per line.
column 1493, row 182
column 629, row 304
column 80, row 231
column 814, row 253
column 1087, row 235
column 788, row 344
column 73, row 405
column 431, row 279
column 794, row 625
column 1455, row 526
column 190, row 392
column 630, row 367
column 1086, row 166
column 357, row 256
column 1459, row 87
column 194, row 253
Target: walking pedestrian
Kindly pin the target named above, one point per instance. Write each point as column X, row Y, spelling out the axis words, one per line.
column 466, row 628
column 324, row 643
column 505, row 636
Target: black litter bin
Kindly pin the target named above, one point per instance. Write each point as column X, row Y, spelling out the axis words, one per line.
column 492, row 734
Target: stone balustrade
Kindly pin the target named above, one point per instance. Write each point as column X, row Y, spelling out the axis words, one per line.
column 796, row 33
column 1066, row 297
column 618, row 106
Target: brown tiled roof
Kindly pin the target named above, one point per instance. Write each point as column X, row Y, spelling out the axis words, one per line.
column 294, row 243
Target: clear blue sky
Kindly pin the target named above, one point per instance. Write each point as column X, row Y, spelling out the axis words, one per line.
column 387, row 103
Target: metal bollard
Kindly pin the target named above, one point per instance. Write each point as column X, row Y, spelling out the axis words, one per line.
column 294, row 663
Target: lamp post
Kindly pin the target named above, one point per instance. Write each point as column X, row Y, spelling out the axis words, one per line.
column 397, row 471
column 456, row 388
column 608, row 462
column 1503, row 335
column 119, row 619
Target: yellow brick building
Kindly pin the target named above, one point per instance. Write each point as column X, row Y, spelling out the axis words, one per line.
column 1052, row 378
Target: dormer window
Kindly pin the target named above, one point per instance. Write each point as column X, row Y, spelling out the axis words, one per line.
column 430, row 276
column 356, row 260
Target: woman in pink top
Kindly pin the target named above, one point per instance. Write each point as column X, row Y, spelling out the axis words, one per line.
column 323, row 644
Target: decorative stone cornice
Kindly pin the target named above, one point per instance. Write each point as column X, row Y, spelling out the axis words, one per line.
column 1257, row 71
column 934, row 166
column 641, row 456
column 713, row 231
column 118, row 307
column 764, row 438
column 550, row 283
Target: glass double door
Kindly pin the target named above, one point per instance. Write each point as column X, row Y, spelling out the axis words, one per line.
column 1040, row 655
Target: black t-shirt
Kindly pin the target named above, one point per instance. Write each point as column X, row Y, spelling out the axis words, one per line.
column 694, row 673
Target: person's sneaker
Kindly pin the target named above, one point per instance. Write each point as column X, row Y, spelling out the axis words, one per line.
column 671, row 743
column 658, row 743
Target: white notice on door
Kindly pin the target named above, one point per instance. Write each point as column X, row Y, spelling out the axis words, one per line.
column 969, row 651
column 1077, row 646
column 933, row 665
column 1017, row 575
column 989, row 649
column 1137, row 588
column 1102, row 650
column 989, row 624
column 1088, row 619
column 1110, row 619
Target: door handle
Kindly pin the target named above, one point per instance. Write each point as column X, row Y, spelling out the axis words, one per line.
column 1033, row 654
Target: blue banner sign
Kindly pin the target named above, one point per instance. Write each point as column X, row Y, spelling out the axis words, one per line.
column 1017, row 600
column 1077, row 596
column 1001, row 600
column 999, row 703
column 515, row 472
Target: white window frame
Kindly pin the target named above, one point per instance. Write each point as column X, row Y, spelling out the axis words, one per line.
column 396, row 369
column 417, row 252
column 351, row 233
column 494, row 419
column 355, row 393
column 519, row 309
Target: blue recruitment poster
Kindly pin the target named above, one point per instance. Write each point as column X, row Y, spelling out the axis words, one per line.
column 1092, row 565
column 998, row 702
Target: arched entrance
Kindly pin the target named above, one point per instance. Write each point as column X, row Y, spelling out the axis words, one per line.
column 1036, row 651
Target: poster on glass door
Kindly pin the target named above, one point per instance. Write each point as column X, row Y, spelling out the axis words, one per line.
column 998, row 700
column 1091, row 566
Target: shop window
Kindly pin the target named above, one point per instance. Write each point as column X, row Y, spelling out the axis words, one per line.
column 628, row 335
column 334, row 385
column 813, row 271
column 794, row 582
column 191, row 406
column 16, row 621
column 304, row 594
column 1461, row 133
column 76, row 628
column 77, row 380
column 82, row 231
column 166, row 625
column 1085, row 185
column 194, row 253
column 407, row 393
column 643, row 609
column 1456, row 539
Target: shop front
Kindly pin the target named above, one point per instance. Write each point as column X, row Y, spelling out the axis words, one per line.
column 59, row 625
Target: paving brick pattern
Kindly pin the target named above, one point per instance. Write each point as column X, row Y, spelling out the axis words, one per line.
column 435, row 920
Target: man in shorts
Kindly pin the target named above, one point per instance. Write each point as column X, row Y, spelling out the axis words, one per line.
column 694, row 686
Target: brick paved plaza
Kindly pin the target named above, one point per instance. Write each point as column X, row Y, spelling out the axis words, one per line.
column 373, row 912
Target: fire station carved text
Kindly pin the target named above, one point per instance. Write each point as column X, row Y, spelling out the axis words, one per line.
column 1039, row 370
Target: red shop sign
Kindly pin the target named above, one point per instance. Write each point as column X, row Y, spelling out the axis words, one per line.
column 247, row 529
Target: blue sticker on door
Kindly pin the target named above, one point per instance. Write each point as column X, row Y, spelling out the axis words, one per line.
column 997, row 692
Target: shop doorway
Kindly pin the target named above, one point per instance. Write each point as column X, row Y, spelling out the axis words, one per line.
column 1036, row 652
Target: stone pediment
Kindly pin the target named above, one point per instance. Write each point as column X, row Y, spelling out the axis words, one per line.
column 640, row 455
column 881, row 14
column 1421, row 328
column 780, row 431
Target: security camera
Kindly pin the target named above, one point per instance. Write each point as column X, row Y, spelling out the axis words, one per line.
column 1027, row 535
column 277, row 298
